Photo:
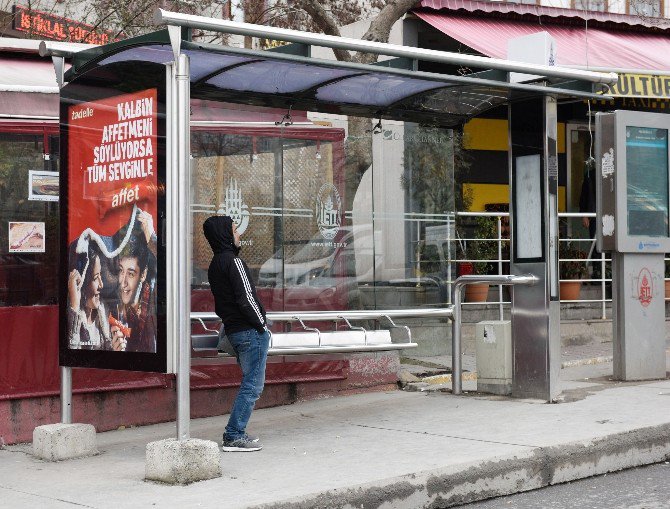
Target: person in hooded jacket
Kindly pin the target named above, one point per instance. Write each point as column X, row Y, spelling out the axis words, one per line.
column 243, row 317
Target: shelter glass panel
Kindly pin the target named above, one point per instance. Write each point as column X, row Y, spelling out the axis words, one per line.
column 413, row 183
column 335, row 214
column 237, row 175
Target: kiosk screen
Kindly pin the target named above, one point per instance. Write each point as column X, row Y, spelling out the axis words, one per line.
column 647, row 178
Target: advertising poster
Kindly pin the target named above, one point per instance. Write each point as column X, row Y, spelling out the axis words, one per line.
column 112, row 191
column 43, row 185
column 26, row 237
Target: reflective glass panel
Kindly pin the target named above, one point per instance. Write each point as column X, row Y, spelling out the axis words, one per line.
column 240, row 176
column 276, row 77
column 374, row 89
column 413, row 215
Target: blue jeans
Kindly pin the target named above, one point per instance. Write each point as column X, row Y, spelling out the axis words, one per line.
column 251, row 348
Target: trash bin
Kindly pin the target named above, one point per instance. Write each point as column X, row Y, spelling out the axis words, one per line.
column 493, row 348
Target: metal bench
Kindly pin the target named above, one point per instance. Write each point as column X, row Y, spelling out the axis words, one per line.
column 312, row 340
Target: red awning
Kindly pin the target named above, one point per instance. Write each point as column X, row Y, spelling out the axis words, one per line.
column 528, row 11
column 575, row 46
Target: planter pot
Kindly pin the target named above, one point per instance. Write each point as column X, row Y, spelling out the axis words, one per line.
column 465, row 269
column 667, row 289
column 476, row 293
column 570, row 290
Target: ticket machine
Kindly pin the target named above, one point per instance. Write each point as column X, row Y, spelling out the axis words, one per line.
column 632, row 223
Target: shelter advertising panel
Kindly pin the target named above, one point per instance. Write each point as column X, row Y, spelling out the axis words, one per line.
column 113, row 190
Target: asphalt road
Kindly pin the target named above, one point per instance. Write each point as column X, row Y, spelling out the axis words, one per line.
column 638, row 488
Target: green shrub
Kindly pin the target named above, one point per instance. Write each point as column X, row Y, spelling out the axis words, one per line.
column 485, row 249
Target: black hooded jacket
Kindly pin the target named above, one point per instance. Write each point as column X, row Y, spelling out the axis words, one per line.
column 235, row 298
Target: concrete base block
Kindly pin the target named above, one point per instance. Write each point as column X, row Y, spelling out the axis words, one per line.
column 57, row 442
column 502, row 388
column 182, row 462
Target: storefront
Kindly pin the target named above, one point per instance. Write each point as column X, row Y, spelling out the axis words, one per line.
column 28, row 215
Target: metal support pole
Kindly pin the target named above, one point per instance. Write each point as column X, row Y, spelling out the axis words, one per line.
column 449, row 265
column 172, row 207
column 603, row 293
column 183, row 246
column 456, row 367
column 500, row 292
column 65, row 371
column 66, row 395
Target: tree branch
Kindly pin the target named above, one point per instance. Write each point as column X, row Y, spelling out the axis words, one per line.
column 380, row 27
column 326, row 23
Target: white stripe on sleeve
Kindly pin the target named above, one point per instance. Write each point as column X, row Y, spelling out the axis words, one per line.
column 247, row 287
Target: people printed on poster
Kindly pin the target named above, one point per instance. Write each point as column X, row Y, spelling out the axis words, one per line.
column 112, row 209
column 87, row 324
column 111, row 294
column 132, row 326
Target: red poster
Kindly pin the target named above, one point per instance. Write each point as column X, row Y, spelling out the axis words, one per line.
column 112, row 210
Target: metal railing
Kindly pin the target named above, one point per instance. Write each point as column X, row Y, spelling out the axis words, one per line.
column 336, row 316
column 453, row 312
column 603, row 261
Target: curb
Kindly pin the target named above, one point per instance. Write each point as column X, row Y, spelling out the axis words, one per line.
column 470, row 376
column 503, row 475
column 587, row 362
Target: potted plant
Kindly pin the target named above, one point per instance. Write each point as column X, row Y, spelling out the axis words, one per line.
column 483, row 247
column 572, row 268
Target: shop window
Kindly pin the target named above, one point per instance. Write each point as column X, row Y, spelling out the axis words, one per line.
column 29, row 242
column 52, row 158
column 645, row 8
column 590, row 5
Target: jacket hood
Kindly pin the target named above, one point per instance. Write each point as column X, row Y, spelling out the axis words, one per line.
column 219, row 233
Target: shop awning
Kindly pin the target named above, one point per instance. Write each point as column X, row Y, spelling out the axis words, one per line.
column 535, row 12
column 597, row 48
column 23, row 75
column 28, row 89
column 268, row 79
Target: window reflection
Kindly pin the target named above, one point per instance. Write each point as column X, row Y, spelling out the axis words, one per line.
column 334, row 217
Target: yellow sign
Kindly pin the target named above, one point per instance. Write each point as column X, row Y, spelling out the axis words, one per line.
column 271, row 43
column 641, row 85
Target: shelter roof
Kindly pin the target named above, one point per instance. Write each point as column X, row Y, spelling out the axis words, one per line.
column 263, row 78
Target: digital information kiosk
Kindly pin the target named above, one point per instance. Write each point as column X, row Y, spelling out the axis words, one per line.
column 632, row 223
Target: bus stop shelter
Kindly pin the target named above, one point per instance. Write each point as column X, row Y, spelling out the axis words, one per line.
column 158, row 75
